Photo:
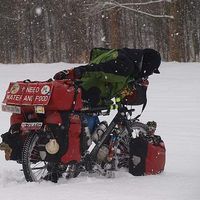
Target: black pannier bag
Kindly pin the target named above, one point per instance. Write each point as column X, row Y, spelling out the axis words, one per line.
column 147, row 155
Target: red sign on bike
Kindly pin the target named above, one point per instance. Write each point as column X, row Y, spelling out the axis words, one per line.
column 22, row 93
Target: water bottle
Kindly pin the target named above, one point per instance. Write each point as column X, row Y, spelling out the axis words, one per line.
column 96, row 136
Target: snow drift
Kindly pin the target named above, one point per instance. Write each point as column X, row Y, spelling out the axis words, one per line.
column 173, row 101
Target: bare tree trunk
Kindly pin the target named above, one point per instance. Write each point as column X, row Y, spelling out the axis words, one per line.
column 47, row 35
column 114, row 29
column 176, row 36
column 31, row 45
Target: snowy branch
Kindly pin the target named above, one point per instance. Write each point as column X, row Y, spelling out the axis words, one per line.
column 98, row 7
column 142, row 12
column 146, row 3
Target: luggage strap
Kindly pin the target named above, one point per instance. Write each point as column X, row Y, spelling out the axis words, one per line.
column 75, row 96
column 143, row 107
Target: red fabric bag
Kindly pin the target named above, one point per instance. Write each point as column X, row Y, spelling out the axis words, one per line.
column 63, row 96
column 60, row 95
column 147, row 155
column 73, row 152
column 155, row 160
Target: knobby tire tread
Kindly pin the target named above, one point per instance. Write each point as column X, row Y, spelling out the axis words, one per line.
column 25, row 156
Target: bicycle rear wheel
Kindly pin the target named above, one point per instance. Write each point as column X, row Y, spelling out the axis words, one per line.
column 34, row 168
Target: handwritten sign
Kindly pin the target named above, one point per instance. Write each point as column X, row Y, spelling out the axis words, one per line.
column 20, row 93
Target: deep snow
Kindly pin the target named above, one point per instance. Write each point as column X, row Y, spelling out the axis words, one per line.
column 173, row 101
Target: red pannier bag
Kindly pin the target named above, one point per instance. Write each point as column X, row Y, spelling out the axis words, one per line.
column 147, row 156
column 59, row 95
column 68, row 137
column 64, row 96
column 155, row 160
column 73, row 152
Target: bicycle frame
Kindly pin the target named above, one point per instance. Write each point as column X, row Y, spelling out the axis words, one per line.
column 121, row 117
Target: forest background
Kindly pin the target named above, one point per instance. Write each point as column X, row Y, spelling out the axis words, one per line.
column 48, row 31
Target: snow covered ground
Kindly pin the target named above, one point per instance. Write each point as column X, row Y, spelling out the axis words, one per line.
column 173, row 101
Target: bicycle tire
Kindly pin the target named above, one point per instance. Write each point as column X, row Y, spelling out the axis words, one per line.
column 31, row 164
